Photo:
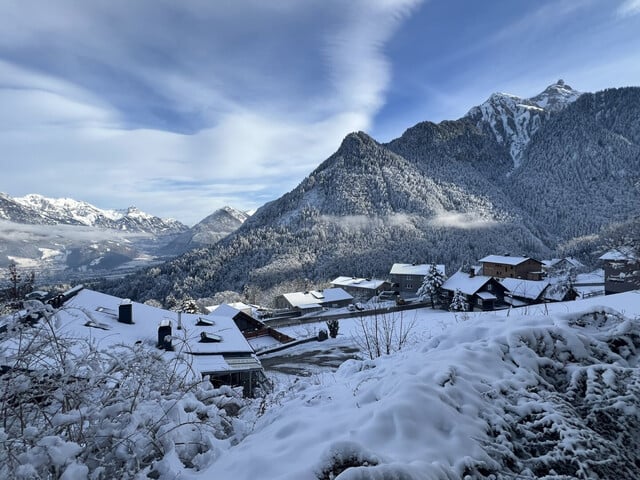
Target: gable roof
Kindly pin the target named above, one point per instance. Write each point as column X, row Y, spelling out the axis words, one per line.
column 364, row 283
column 530, row 289
column 414, row 269
column 505, row 259
column 620, row 254
column 317, row 297
column 465, row 283
column 94, row 315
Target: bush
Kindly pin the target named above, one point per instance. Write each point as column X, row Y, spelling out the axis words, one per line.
column 69, row 408
column 333, row 326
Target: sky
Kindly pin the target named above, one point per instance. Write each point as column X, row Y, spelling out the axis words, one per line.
column 183, row 107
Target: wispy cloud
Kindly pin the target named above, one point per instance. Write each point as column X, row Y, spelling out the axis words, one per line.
column 103, row 100
column 628, row 8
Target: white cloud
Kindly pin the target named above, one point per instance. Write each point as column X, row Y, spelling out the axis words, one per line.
column 461, row 220
column 86, row 136
column 628, row 8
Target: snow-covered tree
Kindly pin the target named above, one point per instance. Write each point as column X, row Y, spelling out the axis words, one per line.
column 431, row 284
column 459, row 302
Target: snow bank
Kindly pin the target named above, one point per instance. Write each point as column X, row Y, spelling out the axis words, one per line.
column 494, row 397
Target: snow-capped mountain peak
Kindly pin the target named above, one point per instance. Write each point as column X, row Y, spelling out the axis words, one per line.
column 513, row 120
column 73, row 212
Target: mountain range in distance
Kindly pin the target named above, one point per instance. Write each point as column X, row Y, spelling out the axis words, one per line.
column 66, row 239
column 526, row 176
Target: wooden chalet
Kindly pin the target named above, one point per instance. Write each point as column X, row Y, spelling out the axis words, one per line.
column 621, row 270
column 507, row 266
column 361, row 288
column 481, row 292
column 407, row 278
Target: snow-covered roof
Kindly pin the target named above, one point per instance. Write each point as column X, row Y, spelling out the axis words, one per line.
column 487, row 296
column 414, row 269
column 620, row 254
column 364, row 283
column 592, row 278
column 317, row 297
column 465, row 283
column 530, row 289
column 89, row 308
column 504, row 259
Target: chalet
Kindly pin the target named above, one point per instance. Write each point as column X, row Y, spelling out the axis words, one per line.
column 523, row 292
column 314, row 300
column 361, row 288
column 481, row 292
column 214, row 345
column 589, row 284
column 563, row 266
column 621, row 270
column 407, row 278
column 506, row 266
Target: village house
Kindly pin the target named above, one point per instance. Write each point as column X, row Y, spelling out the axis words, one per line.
column 481, row 292
column 213, row 344
column 563, row 266
column 407, row 278
column 361, row 288
column 507, row 266
column 314, row 300
column 621, row 270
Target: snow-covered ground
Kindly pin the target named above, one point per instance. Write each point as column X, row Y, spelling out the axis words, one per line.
column 549, row 390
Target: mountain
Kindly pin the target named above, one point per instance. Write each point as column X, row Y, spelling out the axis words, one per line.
column 513, row 175
column 208, row 231
column 514, row 120
column 66, row 211
column 65, row 238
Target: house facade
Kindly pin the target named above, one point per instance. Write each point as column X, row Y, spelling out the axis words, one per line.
column 621, row 270
column 407, row 278
column 507, row 266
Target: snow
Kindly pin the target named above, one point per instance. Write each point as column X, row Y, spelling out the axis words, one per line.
column 414, row 269
column 530, row 289
column 426, row 412
column 315, row 298
column 620, row 254
column 365, row 283
column 465, row 283
column 503, row 259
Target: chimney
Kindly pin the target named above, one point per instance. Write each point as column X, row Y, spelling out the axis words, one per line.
column 164, row 335
column 125, row 312
column 179, row 320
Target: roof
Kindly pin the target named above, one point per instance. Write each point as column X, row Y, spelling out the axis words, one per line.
column 487, row 296
column 466, row 284
column 505, row 259
column 89, row 308
column 364, row 283
column 414, row 269
column 620, row 254
column 531, row 289
column 317, row 297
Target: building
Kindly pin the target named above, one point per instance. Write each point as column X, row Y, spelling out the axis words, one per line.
column 314, row 300
column 361, row 288
column 621, row 270
column 213, row 344
column 506, row 266
column 523, row 292
column 563, row 266
column 481, row 292
column 407, row 278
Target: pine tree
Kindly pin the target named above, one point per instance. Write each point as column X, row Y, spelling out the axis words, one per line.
column 459, row 302
column 431, row 284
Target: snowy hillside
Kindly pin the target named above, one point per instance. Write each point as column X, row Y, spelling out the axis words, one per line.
column 529, row 393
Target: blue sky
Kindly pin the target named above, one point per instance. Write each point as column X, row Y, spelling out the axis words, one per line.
column 182, row 107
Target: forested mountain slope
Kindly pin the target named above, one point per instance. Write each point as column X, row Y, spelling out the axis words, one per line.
column 449, row 192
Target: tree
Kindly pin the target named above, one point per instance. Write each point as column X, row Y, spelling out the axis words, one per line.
column 459, row 302
column 333, row 326
column 382, row 333
column 431, row 284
